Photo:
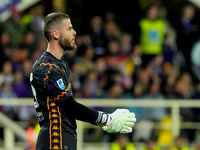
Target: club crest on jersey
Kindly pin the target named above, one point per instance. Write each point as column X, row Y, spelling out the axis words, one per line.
column 61, row 84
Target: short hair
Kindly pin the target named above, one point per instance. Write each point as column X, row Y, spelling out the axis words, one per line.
column 52, row 21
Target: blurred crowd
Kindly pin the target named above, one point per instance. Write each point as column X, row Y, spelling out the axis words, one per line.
column 109, row 62
column 179, row 143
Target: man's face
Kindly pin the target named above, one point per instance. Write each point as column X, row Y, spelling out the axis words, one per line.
column 67, row 36
column 153, row 13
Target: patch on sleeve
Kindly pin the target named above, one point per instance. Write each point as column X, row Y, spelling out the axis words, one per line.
column 61, row 84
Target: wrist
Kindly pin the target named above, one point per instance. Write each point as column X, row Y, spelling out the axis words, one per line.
column 103, row 118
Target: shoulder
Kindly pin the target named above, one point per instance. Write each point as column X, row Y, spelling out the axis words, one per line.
column 145, row 22
column 142, row 20
column 47, row 62
column 46, row 65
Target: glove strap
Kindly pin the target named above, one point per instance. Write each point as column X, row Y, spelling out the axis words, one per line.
column 103, row 118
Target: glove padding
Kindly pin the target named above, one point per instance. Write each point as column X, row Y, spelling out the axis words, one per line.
column 121, row 121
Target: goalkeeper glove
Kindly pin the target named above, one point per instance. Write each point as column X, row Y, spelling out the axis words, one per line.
column 120, row 121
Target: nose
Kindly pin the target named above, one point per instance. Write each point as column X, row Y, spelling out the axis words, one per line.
column 74, row 32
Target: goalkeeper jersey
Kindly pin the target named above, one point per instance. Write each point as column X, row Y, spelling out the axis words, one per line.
column 54, row 103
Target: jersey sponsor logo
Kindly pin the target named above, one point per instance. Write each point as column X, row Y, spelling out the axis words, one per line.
column 61, row 84
column 40, row 116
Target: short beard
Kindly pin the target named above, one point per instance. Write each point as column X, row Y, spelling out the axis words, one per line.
column 65, row 44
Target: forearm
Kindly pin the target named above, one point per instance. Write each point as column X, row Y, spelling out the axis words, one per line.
column 79, row 111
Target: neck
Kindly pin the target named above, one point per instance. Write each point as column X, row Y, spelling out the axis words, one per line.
column 55, row 50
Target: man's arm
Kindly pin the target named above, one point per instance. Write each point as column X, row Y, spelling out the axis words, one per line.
column 79, row 111
column 120, row 121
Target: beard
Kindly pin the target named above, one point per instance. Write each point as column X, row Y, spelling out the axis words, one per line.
column 66, row 44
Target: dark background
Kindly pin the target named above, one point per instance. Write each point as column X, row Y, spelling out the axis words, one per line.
column 128, row 12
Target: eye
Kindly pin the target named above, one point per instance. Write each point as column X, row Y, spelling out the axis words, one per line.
column 70, row 28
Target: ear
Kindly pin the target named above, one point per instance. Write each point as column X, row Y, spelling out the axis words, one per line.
column 55, row 34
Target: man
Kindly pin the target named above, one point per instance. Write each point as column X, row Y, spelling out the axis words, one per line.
column 55, row 105
column 151, row 34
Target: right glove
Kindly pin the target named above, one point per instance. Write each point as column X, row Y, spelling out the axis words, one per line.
column 119, row 121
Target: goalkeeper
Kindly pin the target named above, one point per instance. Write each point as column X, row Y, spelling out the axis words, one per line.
column 55, row 105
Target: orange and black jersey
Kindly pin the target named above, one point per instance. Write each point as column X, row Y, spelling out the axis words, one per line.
column 53, row 99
